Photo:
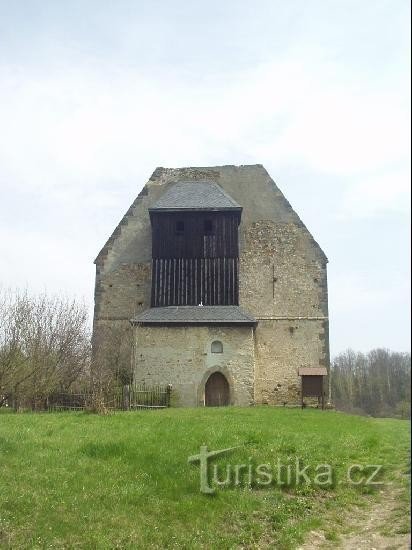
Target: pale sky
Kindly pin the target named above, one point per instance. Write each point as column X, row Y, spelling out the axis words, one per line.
column 95, row 94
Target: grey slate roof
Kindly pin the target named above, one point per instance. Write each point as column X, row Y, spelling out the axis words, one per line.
column 195, row 195
column 198, row 315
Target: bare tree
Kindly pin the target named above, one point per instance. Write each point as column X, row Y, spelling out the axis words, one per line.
column 376, row 383
column 112, row 361
column 44, row 345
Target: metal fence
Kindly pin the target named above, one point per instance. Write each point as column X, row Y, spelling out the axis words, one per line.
column 125, row 398
column 68, row 401
column 143, row 397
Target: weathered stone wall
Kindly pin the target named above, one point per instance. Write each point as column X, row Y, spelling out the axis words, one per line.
column 282, row 278
column 281, row 274
column 283, row 283
column 182, row 356
column 123, row 292
column 281, row 347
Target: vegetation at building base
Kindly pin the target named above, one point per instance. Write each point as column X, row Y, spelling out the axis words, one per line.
column 44, row 347
column 75, row 480
column 45, row 350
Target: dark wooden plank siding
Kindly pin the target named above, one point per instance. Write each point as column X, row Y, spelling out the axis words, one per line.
column 193, row 242
column 198, row 264
column 190, row 281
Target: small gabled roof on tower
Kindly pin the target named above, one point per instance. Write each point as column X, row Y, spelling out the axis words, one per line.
column 195, row 195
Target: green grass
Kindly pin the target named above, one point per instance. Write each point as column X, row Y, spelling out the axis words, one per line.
column 75, row 480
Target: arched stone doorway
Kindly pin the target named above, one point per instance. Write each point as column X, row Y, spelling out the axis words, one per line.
column 217, row 392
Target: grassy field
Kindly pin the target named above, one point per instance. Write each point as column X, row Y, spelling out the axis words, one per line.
column 76, row 480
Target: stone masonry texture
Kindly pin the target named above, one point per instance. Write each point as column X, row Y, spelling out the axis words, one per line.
column 282, row 283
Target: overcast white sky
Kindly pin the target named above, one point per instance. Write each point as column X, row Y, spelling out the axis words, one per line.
column 95, row 94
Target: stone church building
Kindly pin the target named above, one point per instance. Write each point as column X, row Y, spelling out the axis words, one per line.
column 222, row 286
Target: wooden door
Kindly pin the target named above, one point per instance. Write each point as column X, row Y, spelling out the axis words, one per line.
column 217, row 392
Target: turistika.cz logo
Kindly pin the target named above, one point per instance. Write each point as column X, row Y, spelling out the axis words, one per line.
column 290, row 474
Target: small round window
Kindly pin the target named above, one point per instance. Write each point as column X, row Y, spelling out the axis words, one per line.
column 217, row 347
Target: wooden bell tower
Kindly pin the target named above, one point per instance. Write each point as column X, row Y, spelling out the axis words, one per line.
column 195, row 246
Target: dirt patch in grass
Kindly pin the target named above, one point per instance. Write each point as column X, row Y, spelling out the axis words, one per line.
column 385, row 524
